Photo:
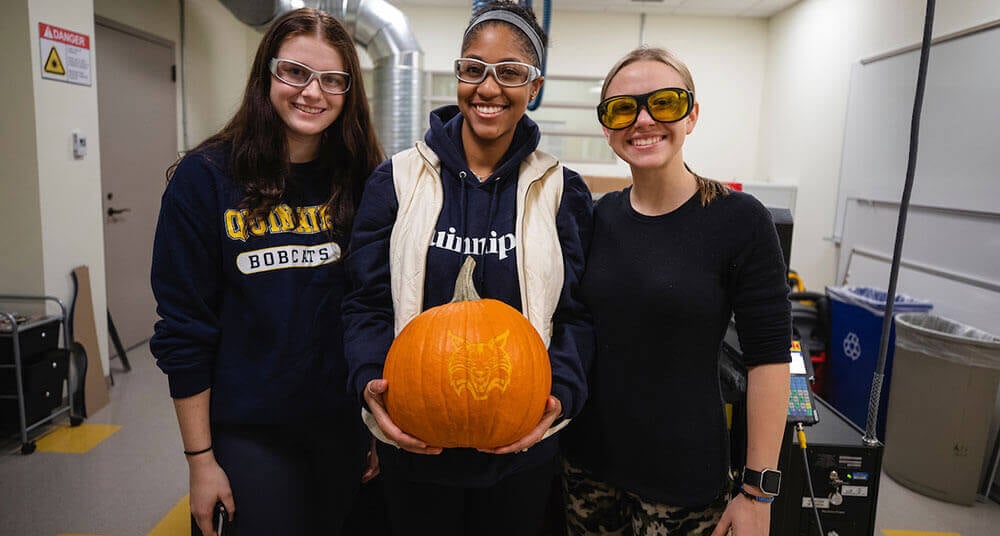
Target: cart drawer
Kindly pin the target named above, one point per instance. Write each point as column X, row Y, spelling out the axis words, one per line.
column 33, row 341
column 42, row 380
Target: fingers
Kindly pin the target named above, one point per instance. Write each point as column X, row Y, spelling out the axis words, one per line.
column 209, row 486
column 405, row 440
column 723, row 528
column 369, row 474
column 552, row 410
column 520, row 445
column 203, row 517
column 375, row 389
column 373, row 468
column 227, row 501
column 726, row 523
column 375, row 397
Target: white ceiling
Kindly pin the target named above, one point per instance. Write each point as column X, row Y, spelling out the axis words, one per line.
column 719, row 8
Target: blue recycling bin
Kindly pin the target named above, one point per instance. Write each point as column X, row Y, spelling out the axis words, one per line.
column 856, row 315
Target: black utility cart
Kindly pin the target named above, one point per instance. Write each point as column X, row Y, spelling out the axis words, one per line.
column 35, row 370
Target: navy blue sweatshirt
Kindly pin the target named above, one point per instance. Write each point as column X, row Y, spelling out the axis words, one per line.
column 252, row 312
column 472, row 209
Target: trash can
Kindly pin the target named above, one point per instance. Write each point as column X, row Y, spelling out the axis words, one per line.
column 856, row 315
column 942, row 402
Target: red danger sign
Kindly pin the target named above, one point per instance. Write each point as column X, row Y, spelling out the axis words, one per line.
column 55, row 33
column 65, row 54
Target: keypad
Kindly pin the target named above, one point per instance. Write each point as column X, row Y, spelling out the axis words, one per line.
column 799, row 403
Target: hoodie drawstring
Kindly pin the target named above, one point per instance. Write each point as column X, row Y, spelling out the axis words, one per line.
column 479, row 276
column 494, row 203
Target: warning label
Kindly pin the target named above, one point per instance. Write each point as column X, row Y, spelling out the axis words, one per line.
column 54, row 64
column 66, row 53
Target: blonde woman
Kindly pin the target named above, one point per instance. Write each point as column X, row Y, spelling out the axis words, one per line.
column 672, row 258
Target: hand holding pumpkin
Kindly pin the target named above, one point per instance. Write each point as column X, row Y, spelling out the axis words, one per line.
column 473, row 373
column 373, row 468
column 553, row 409
column 375, row 398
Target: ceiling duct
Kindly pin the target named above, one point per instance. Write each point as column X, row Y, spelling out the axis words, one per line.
column 384, row 32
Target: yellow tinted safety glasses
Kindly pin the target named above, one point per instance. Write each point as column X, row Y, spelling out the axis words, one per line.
column 667, row 105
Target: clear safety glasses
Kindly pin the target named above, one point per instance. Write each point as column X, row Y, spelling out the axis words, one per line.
column 296, row 74
column 506, row 73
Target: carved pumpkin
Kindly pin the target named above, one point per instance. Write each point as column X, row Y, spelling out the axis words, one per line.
column 470, row 373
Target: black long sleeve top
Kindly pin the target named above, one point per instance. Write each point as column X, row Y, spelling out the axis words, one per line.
column 662, row 290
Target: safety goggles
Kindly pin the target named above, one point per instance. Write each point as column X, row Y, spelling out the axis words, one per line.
column 506, row 73
column 667, row 105
column 296, row 74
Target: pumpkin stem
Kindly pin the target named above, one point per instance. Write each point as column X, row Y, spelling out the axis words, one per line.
column 465, row 289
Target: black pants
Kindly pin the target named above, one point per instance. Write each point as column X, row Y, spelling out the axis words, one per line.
column 291, row 479
column 514, row 506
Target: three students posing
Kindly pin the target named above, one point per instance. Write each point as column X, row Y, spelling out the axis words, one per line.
column 258, row 357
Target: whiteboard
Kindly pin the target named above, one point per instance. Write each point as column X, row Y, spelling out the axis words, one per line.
column 958, row 163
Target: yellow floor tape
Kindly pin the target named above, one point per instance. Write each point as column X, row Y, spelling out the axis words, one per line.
column 888, row 532
column 76, row 439
column 177, row 522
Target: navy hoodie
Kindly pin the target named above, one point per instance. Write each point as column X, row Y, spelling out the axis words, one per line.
column 472, row 209
column 252, row 312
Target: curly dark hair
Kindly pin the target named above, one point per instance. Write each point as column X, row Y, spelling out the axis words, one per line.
column 524, row 13
column 259, row 157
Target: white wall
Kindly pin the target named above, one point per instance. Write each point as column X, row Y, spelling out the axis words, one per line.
column 773, row 92
column 69, row 189
column 812, row 48
column 219, row 49
column 773, row 102
column 21, row 241
column 51, row 203
column 727, row 58
column 439, row 34
column 722, row 52
column 158, row 17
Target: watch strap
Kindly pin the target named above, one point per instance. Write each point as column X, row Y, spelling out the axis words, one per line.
column 756, row 479
column 757, row 498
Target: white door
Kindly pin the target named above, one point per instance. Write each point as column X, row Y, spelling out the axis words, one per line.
column 136, row 96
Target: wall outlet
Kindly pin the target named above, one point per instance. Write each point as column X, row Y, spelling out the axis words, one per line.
column 79, row 144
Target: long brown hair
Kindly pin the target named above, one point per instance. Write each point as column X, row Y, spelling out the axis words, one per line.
column 259, row 158
column 708, row 188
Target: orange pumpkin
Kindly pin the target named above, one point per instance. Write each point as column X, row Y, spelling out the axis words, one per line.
column 470, row 373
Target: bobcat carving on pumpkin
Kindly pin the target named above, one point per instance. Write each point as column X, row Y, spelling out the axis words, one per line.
column 479, row 366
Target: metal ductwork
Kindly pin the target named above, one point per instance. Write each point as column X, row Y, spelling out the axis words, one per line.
column 384, row 32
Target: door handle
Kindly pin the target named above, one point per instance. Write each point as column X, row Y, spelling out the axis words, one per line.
column 112, row 212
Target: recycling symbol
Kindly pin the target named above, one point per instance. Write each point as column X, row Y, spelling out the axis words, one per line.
column 852, row 346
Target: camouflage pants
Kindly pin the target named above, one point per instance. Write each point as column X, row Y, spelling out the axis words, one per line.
column 598, row 508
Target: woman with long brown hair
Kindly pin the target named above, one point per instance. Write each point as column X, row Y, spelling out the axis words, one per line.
column 248, row 281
